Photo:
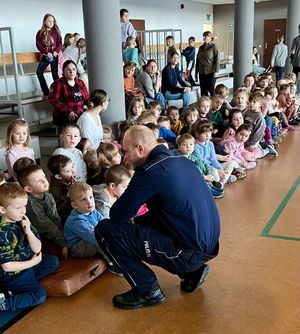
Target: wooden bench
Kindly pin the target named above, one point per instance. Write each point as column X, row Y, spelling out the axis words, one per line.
column 22, row 58
column 35, row 109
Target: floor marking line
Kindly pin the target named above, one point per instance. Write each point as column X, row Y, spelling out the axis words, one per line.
column 277, row 213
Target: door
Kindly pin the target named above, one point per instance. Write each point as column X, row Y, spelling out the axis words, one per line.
column 139, row 25
column 272, row 29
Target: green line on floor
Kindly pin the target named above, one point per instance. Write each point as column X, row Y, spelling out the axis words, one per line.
column 277, row 213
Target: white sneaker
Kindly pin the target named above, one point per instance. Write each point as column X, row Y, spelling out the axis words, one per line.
column 231, row 179
column 251, row 164
column 2, row 302
column 272, row 151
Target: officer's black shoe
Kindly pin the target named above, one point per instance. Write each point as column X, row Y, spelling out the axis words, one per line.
column 194, row 280
column 131, row 299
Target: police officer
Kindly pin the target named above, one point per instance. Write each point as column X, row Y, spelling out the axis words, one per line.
column 180, row 231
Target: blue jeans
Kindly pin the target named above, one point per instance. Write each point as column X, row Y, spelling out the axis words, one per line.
column 279, row 72
column 159, row 97
column 41, row 69
column 129, row 245
column 25, row 288
column 258, row 69
column 178, row 96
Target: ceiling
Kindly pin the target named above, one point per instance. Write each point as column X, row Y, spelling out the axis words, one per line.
column 220, row 2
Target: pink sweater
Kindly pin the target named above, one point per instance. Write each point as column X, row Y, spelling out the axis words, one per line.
column 234, row 149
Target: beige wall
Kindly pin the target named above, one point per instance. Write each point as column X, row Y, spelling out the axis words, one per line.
column 275, row 9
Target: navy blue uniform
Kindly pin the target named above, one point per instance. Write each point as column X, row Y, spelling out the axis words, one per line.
column 179, row 233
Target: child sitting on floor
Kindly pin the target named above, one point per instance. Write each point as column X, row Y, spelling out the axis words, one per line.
column 63, row 174
column 70, row 137
column 108, row 155
column 116, row 178
column 204, row 148
column 41, row 207
column 204, row 105
column 174, row 117
column 234, row 146
column 155, row 107
column 190, row 116
column 215, row 116
column 17, row 143
column 80, row 225
column 164, row 131
column 223, row 90
column 108, row 136
column 21, row 261
column 136, row 107
column 186, row 145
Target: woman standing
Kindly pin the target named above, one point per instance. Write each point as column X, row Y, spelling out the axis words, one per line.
column 207, row 64
column 68, row 95
column 90, row 122
column 279, row 56
column 150, row 83
column 49, row 44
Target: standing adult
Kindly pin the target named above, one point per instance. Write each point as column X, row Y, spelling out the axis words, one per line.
column 295, row 53
column 279, row 55
column 180, row 231
column 173, row 87
column 127, row 28
column 68, row 95
column 49, row 43
column 150, row 83
column 90, row 122
column 207, row 64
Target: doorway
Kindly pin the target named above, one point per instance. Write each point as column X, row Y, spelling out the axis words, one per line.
column 139, row 25
column 272, row 29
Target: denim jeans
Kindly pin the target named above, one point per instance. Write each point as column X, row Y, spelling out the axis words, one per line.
column 178, row 96
column 41, row 69
column 25, row 288
column 159, row 97
column 279, row 72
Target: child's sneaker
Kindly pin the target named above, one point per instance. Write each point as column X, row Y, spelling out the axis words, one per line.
column 3, row 304
column 272, row 151
column 290, row 127
column 251, row 165
column 282, row 132
column 278, row 140
column 294, row 121
column 239, row 173
column 231, row 179
column 217, row 184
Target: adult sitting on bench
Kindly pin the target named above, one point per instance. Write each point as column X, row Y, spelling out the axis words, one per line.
column 171, row 77
column 150, row 81
column 68, row 95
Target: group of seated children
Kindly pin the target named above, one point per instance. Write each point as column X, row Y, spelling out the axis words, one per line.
column 222, row 139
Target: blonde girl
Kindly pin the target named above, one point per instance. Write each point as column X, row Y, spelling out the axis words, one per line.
column 108, row 136
column 49, row 44
column 204, row 105
column 136, row 107
column 17, row 143
column 108, row 155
